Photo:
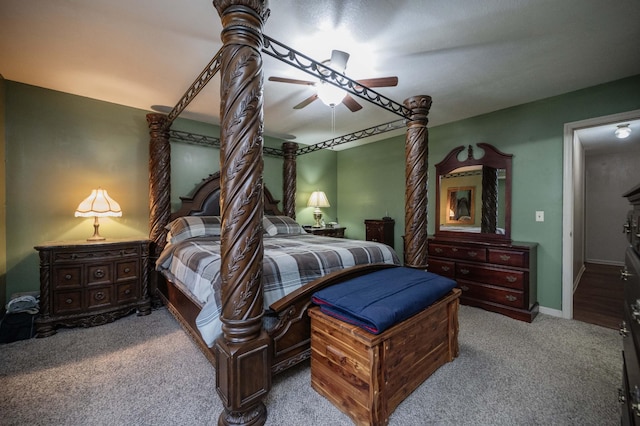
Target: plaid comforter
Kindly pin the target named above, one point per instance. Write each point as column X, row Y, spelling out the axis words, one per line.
column 289, row 263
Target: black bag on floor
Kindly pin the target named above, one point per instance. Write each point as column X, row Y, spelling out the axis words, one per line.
column 17, row 326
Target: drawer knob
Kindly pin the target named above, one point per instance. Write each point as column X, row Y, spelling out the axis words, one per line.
column 438, row 250
column 454, row 249
column 624, row 331
column 472, row 253
column 635, row 400
column 621, row 397
column 446, row 268
column 374, row 239
column 464, row 271
column 635, row 311
column 68, row 301
column 127, row 291
column 511, row 278
column 99, row 296
column 464, row 288
column 99, row 273
column 511, row 298
column 624, row 274
column 127, row 270
column 504, row 257
column 67, row 277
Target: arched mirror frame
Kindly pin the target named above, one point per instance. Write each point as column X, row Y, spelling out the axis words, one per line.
column 493, row 158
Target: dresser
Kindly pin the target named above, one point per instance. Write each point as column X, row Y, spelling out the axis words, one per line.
column 85, row 283
column 380, row 230
column 337, row 232
column 629, row 392
column 497, row 277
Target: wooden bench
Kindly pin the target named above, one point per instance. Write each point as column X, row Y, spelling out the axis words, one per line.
column 366, row 375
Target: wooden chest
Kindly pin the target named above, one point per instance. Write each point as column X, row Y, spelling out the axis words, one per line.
column 366, row 375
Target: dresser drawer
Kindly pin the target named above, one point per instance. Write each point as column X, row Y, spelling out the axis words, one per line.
column 464, row 253
column 501, row 277
column 508, row 257
column 489, row 293
column 442, row 267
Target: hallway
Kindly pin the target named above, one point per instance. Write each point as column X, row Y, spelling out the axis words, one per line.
column 599, row 296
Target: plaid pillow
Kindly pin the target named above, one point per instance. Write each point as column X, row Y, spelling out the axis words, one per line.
column 285, row 225
column 186, row 227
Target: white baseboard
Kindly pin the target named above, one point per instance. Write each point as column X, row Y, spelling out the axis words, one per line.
column 552, row 312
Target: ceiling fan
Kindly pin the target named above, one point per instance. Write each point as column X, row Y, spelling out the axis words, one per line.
column 330, row 94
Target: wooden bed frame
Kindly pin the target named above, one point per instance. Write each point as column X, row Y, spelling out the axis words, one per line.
column 289, row 329
column 246, row 355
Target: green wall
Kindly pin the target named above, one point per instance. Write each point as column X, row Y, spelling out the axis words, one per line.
column 60, row 146
column 3, row 199
column 372, row 176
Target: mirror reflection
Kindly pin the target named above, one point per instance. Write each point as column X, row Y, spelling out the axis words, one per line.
column 474, row 194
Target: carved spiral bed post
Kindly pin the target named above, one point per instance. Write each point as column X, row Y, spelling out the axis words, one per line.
column 159, row 193
column 243, row 373
column 289, row 175
column 416, row 161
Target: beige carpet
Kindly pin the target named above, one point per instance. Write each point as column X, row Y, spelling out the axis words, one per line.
column 146, row 371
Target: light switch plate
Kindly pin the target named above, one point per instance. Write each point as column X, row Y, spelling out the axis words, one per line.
column 539, row 216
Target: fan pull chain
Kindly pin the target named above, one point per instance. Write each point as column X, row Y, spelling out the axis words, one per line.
column 333, row 120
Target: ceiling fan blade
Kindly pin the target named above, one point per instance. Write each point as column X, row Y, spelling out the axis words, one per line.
column 292, row 81
column 339, row 60
column 351, row 103
column 306, row 102
column 379, row 82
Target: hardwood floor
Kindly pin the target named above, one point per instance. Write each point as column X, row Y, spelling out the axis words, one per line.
column 599, row 296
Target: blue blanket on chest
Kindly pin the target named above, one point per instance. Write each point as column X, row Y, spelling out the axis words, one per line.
column 383, row 298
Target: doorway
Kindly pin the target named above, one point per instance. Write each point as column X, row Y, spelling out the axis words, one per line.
column 581, row 139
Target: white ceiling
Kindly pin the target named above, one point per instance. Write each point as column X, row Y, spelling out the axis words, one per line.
column 472, row 57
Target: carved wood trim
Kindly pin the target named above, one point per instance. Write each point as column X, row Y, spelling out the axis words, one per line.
column 289, row 175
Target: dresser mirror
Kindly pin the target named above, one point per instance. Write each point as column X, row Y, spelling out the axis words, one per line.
column 473, row 195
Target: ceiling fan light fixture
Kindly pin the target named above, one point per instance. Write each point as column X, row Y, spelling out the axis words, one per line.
column 623, row 131
column 329, row 94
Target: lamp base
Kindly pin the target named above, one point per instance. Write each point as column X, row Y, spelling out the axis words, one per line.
column 317, row 215
column 96, row 234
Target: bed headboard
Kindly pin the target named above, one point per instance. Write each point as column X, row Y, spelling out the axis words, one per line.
column 205, row 200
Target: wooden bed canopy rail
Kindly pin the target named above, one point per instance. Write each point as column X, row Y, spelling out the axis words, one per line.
column 242, row 356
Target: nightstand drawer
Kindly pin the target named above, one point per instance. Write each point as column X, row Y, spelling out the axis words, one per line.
column 67, row 277
column 126, row 270
column 126, row 291
column 99, row 274
column 99, row 297
column 67, row 302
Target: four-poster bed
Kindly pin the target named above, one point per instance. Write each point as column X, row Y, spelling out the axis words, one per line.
column 246, row 354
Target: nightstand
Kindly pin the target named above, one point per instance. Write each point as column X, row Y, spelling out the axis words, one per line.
column 88, row 283
column 326, row 232
column 380, row 230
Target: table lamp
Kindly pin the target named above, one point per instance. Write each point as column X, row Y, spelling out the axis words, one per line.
column 96, row 205
column 318, row 199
